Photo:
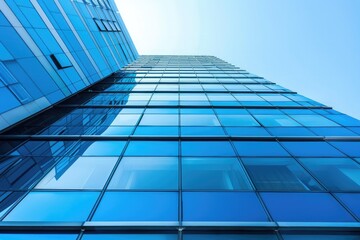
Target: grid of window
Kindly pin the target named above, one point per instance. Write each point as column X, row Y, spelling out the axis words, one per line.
column 215, row 147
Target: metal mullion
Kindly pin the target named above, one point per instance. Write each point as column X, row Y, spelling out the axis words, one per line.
column 190, row 106
column 103, row 191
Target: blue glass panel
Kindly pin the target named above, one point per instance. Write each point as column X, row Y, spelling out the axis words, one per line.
column 162, row 110
column 222, row 206
column 311, row 149
column 321, row 236
column 118, row 131
column 81, row 173
column 146, row 173
column 241, row 236
column 332, row 131
column 196, row 111
column 355, row 130
column 314, row 121
column 246, row 131
column 104, row 148
column 261, row 149
column 276, row 120
column 126, row 119
column 157, row 131
column 279, row 174
column 290, row 131
column 209, row 148
column 10, row 102
column 352, row 201
column 298, row 111
column 138, row 206
column 152, row 148
column 160, row 120
column 344, row 172
column 305, row 207
column 226, row 111
column 199, row 120
column 344, row 120
column 265, row 111
column 34, row 236
column 214, row 174
column 351, row 149
column 238, row 120
column 144, row 236
column 202, row 131
column 54, row 206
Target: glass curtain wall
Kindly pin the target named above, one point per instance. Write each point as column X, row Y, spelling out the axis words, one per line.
column 182, row 147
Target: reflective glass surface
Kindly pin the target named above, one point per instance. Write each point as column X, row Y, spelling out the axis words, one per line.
column 344, row 173
column 152, row 148
column 146, row 173
column 210, row 148
column 224, row 206
column 259, row 148
column 214, row 174
column 138, row 206
column 125, row 236
column 305, row 207
column 185, row 147
column 45, row 206
column 279, row 174
column 81, row 173
column 244, row 236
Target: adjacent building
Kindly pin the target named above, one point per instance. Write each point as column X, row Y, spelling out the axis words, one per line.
column 181, row 147
column 50, row 50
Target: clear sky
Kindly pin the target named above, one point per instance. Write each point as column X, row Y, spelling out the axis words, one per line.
column 308, row 46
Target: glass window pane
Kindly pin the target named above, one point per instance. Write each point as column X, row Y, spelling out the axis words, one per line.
column 314, row 121
column 37, row 236
column 352, row 201
column 81, row 173
column 261, row 149
column 160, row 120
column 290, row 131
column 241, row 236
column 157, row 131
column 209, row 148
column 344, row 172
column 126, row 120
column 199, row 120
column 152, row 148
column 238, row 120
column 213, row 173
column 276, row 121
column 203, row 131
column 321, row 236
column 305, row 207
column 146, row 173
column 279, row 174
column 332, row 131
column 138, row 206
column 54, row 206
column 351, row 149
column 311, row 149
column 102, row 148
column 222, row 206
column 145, row 236
column 246, row 131
column 344, row 120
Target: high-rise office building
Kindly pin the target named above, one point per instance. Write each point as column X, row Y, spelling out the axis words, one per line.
column 50, row 50
column 182, row 147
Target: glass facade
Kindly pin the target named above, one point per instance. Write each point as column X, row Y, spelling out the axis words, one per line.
column 182, row 147
column 50, row 50
column 171, row 147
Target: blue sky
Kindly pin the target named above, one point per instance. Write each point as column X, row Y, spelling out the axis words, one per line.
column 308, row 46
